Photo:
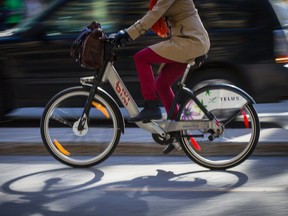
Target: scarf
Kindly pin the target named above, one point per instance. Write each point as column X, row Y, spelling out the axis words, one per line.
column 160, row 27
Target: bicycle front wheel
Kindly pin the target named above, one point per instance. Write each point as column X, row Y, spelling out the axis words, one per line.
column 234, row 109
column 74, row 147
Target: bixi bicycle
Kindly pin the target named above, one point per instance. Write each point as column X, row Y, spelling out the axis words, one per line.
column 217, row 126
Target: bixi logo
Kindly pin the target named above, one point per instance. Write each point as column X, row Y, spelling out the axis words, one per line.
column 122, row 93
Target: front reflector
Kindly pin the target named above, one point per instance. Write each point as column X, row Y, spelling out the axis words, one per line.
column 101, row 109
column 60, row 148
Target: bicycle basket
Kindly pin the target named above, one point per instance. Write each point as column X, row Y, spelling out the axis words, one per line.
column 88, row 48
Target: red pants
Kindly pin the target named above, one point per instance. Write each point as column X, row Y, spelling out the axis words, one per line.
column 162, row 85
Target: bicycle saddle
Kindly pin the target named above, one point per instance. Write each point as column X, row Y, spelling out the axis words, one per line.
column 199, row 61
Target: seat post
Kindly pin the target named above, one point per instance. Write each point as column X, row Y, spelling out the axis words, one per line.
column 186, row 73
column 195, row 64
column 178, row 92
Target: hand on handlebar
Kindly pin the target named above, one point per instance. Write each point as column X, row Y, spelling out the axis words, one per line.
column 121, row 38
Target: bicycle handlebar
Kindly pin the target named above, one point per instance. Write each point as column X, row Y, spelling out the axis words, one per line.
column 112, row 39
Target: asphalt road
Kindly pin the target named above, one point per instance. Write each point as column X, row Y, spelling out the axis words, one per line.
column 142, row 185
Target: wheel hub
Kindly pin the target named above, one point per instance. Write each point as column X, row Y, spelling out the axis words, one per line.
column 78, row 132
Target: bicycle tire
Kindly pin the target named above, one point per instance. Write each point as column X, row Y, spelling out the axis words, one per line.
column 86, row 148
column 234, row 109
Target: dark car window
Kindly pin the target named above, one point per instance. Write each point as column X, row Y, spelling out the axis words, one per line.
column 224, row 15
column 75, row 15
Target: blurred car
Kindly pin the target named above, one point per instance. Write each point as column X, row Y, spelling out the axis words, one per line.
column 248, row 37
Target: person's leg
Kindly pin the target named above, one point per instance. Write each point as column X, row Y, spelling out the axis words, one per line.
column 143, row 61
column 169, row 74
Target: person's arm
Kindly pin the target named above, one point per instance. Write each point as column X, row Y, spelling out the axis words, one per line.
column 152, row 16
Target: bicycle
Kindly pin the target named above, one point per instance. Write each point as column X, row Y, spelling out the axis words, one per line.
column 81, row 126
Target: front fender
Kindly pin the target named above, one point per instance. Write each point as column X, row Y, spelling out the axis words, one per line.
column 228, row 87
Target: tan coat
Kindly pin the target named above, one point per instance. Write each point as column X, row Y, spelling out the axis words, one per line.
column 188, row 40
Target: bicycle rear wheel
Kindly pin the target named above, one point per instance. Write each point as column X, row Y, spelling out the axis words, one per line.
column 93, row 144
column 234, row 109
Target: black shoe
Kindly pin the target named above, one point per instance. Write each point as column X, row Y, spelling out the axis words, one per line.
column 151, row 111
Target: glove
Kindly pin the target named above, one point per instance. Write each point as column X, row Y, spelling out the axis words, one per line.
column 121, row 38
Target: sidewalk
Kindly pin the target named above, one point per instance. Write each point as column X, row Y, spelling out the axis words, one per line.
column 27, row 140
column 134, row 141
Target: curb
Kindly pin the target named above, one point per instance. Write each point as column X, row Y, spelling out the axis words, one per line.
column 137, row 149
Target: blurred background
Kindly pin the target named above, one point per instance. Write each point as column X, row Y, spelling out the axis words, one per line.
column 249, row 47
column 14, row 11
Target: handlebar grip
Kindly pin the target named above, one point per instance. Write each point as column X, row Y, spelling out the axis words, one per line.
column 123, row 42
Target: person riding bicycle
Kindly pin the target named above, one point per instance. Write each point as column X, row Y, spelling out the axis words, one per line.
column 187, row 38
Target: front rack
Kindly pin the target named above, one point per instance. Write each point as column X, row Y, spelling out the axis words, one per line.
column 87, row 81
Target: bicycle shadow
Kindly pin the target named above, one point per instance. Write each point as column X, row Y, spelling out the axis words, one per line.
column 169, row 185
column 116, row 198
column 142, row 194
column 26, row 200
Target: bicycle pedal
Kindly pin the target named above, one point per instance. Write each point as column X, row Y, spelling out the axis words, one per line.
column 170, row 147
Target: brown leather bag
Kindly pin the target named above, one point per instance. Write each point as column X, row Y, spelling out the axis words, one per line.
column 88, row 48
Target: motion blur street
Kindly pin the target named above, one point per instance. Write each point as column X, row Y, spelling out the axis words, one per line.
column 20, row 133
column 249, row 49
column 138, row 179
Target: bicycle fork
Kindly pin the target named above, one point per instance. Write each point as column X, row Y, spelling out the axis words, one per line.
column 85, row 114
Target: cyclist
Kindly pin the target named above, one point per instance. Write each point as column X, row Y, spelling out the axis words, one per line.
column 187, row 40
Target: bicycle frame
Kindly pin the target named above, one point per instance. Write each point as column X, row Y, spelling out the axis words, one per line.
column 161, row 127
column 109, row 74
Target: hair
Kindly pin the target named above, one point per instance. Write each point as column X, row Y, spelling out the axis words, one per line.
column 160, row 27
